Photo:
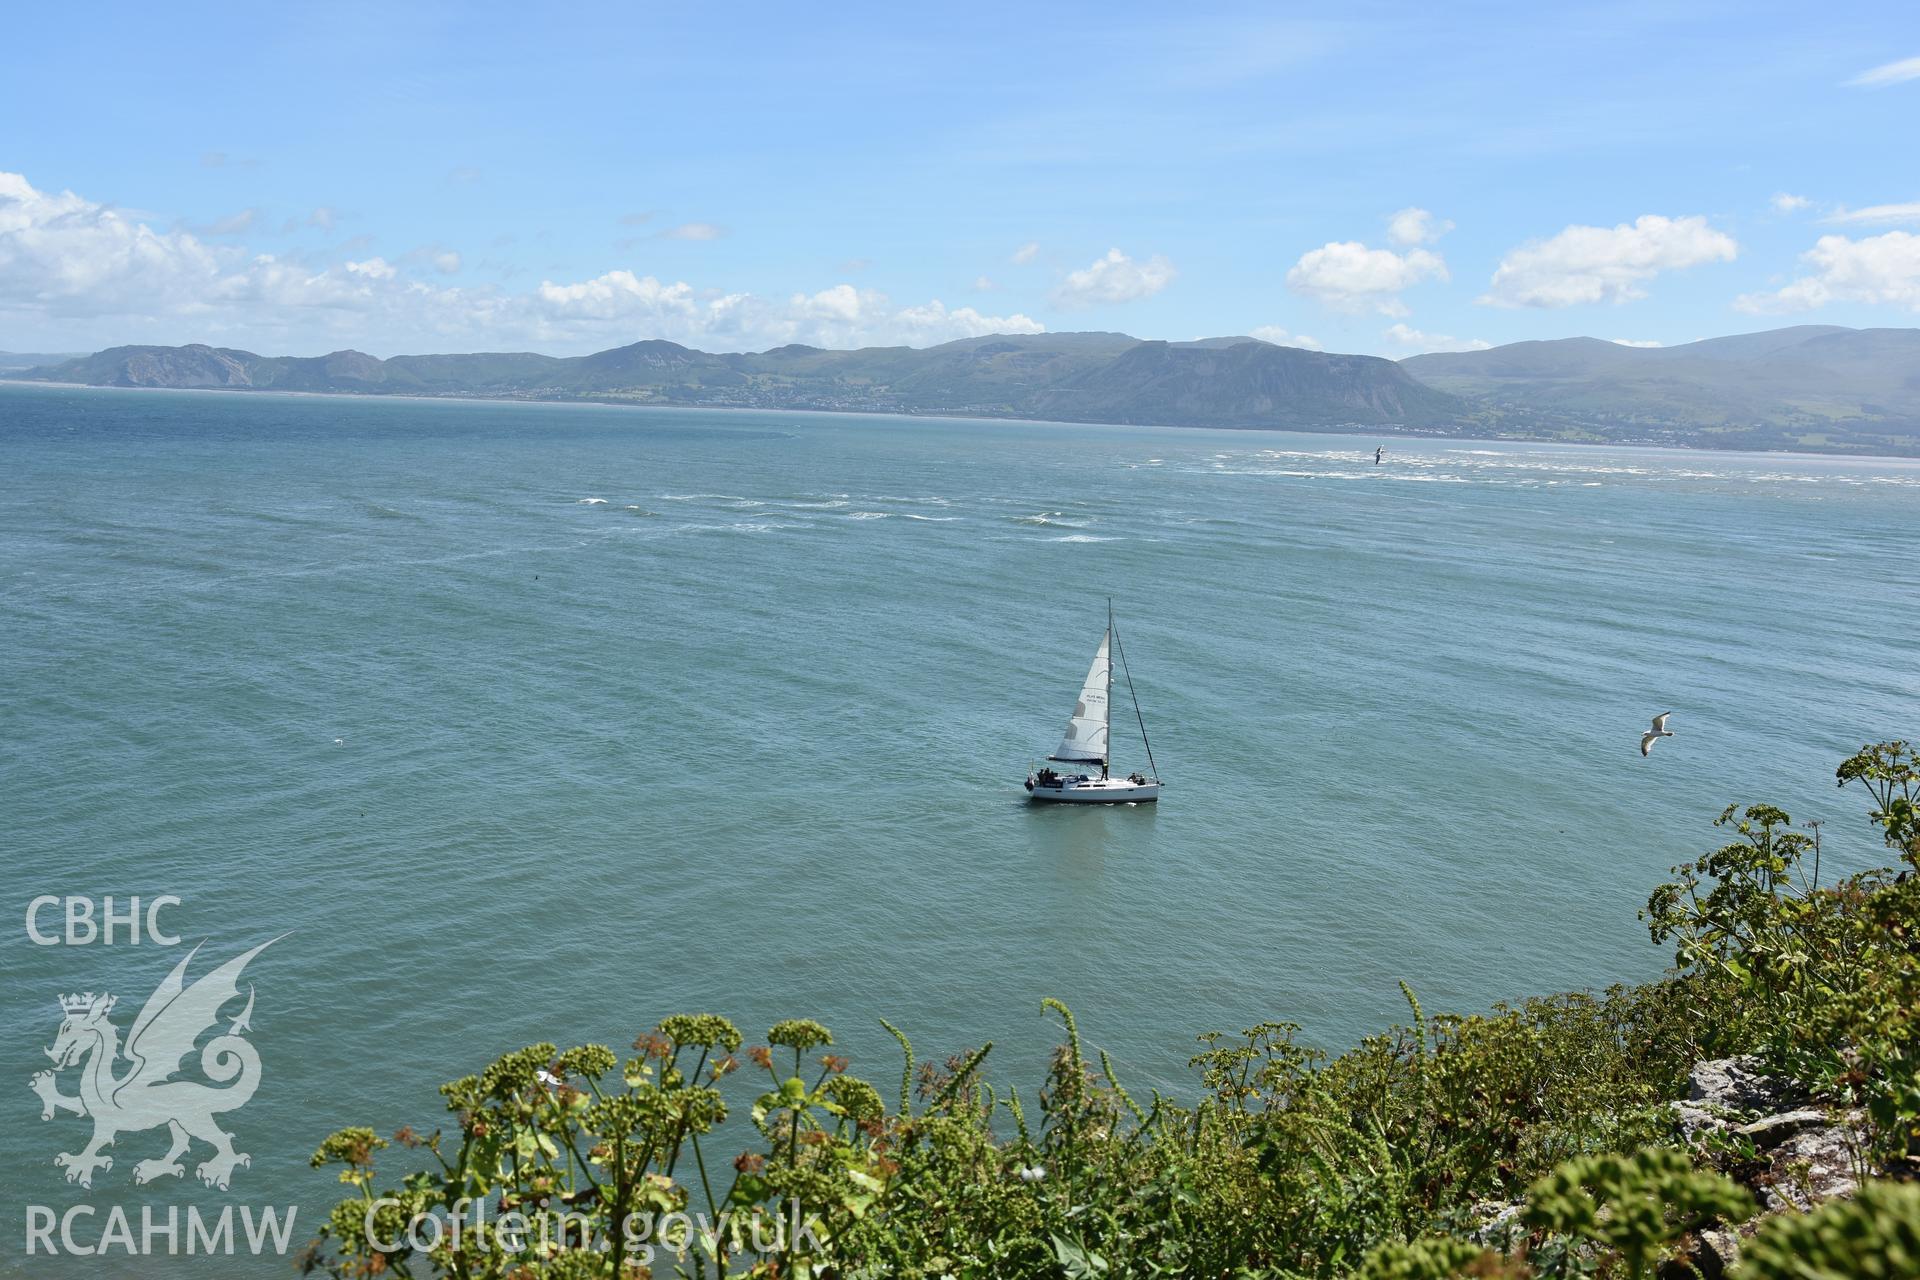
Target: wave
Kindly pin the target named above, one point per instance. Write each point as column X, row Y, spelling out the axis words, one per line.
column 591, row 502
column 1082, row 537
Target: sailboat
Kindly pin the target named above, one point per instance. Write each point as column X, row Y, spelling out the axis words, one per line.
column 1088, row 739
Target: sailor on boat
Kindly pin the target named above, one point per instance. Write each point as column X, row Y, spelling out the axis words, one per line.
column 1086, row 742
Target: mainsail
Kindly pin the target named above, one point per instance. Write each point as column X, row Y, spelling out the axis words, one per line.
column 1086, row 737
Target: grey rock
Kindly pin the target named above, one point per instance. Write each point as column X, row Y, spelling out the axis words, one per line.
column 1737, row 1083
column 1813, row 1166
column 1771, row 1131
column 1497, row 1221
column 1718, row 1252
column 1695, row 1121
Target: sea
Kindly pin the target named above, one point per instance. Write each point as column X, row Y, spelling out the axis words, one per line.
column 507, row 723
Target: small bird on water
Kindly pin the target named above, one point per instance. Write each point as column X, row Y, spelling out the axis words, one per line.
column 1656, row 733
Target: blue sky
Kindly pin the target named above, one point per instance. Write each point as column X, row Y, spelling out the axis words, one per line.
column 418, row 177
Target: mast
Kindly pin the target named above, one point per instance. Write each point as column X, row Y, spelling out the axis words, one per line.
column 1120, row 649
column 1106, row 749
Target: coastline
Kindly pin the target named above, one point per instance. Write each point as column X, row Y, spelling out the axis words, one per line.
column 1356, row 430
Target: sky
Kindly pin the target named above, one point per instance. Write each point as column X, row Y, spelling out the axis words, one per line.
column 1377, row 178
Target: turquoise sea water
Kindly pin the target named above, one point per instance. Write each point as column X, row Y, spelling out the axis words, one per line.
column 541, row 722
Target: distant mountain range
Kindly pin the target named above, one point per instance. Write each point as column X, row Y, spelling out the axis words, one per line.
column 1088, row 377
column 1808, row 387
column 1813, row 387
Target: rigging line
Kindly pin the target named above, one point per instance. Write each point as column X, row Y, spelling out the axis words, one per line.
column 1136, row 701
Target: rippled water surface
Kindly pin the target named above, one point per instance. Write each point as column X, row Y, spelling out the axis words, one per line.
column 540, row 722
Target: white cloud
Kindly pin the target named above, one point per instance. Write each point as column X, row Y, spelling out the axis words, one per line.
column 693, row 231
column 1604, row 264
column 1348, row 275
column 1882, row 270
column 325, row 217
column 1887, row 73
column 1413, row 340
column 616, row 294
column 1025, row 253
column 446, row 263
column 1647, row 343
column 1876, row 214
column 62, row 255
column 935, row 323
column 1416, row 226
column 1785, row 202
column 1280, row 337
column 74, row 271
column 1114, row 278
column 984, row 284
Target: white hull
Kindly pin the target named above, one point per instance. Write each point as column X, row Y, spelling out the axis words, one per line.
column 1079, row 790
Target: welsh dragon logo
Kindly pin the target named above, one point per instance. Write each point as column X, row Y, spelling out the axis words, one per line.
column 145, row 1095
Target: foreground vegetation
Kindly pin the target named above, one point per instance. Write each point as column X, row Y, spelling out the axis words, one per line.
column 1530, row 1141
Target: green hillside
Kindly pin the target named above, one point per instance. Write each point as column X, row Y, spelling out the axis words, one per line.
column 1811, row 386
column 1106, row 377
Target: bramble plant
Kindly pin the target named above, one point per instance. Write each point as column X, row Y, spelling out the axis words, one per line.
column 1380, row 1162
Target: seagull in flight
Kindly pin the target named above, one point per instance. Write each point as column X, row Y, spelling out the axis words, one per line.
column 1656, row 733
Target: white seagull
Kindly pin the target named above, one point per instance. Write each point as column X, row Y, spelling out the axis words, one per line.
column 1656, row 733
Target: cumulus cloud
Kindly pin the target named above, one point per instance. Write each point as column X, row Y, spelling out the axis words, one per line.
column 1876, row 214
column 1347, row 275
column 1604, row 264
column 1416, row 226
column 1415, row 341
column 1114, row 278
column 1882, row 270
column 1280, row 337
column 1025, row 253
column 73, row 270
column 1887, row 73
column 1785, row 202
column 935, row 323
column 66, row 256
